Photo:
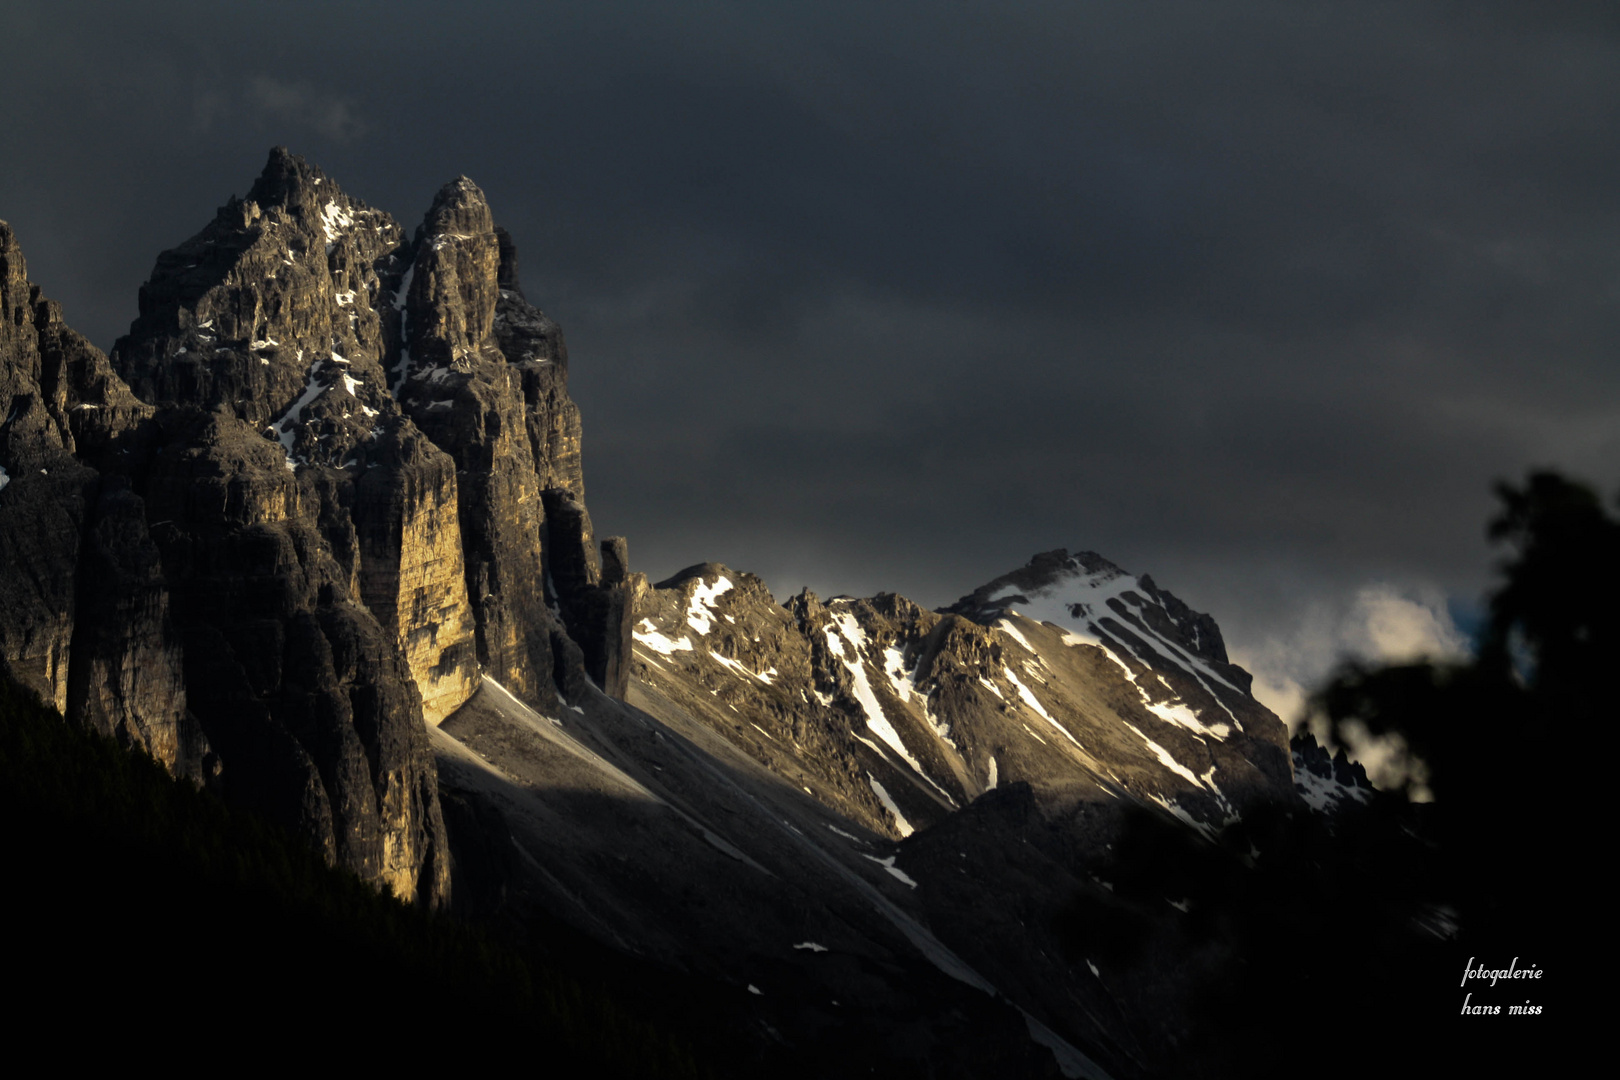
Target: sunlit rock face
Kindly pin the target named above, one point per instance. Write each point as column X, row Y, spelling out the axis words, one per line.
column 1086, row 682
column 302, row 511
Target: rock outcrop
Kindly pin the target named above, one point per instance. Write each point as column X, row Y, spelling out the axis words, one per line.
column 1327, row 782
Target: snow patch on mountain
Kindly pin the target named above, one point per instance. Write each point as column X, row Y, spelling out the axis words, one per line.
column 700, row 612
column 1077, row 603
column 1175, row 808
column 888, row 864
column 287, row 427
column 1006, row 627
column 648, row 634
column 1175, row 712
column 894, row 666
column 334, row 219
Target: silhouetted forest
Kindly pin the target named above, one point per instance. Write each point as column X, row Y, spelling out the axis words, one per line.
column 1338, row 944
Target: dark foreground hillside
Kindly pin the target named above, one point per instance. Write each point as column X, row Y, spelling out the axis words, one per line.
column 165, row 922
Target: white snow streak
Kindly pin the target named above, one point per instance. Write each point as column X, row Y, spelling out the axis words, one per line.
column 894, row 666
column 1030, row 700
column 1174, row 712
column 1164, row 756
column 1006, row 626
column 1175, row 808
column 900, row 821
column 739, row 668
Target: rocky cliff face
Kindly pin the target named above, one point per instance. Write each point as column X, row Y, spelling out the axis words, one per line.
column 303, row 510
column 86, row 608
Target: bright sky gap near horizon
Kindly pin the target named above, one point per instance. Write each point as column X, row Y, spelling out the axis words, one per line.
column 1256, row 297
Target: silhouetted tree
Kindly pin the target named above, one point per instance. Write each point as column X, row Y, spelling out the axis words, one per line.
column 1320, row 944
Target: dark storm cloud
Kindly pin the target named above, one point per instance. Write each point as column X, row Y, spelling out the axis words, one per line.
column 1257, row 296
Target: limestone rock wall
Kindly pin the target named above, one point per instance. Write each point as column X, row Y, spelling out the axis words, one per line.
column 412, row 575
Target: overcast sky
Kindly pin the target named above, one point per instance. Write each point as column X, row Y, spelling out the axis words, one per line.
column 1259, row 297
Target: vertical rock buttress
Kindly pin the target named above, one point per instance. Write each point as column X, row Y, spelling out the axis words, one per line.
column 484, row 374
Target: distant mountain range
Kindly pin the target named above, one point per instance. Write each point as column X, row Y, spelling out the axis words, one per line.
column 314, row 536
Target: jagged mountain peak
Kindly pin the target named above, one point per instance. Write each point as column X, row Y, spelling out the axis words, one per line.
column 1043, row 571
column 459, row 209
column 290, row 180
column 1328, row 782
column 277, row 311
column 1075, row 590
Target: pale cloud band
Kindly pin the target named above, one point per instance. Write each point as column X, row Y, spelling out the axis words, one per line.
column 1378, row 624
